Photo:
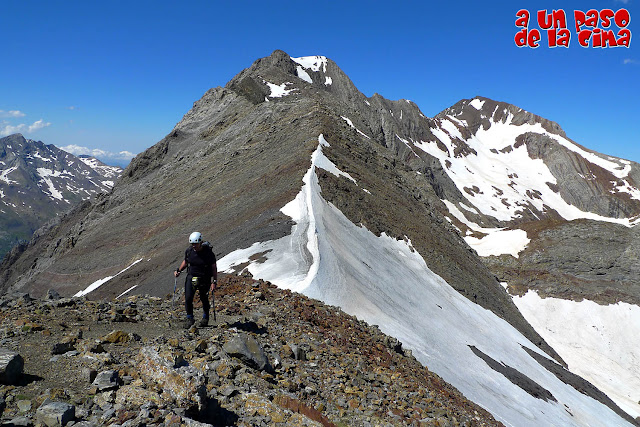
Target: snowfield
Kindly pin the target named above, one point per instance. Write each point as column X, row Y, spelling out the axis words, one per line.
column 386, row 282
column 501, row 181
column 589, row 337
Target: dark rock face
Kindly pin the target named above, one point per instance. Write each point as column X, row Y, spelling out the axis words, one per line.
column 516, row 377
column 577, row 260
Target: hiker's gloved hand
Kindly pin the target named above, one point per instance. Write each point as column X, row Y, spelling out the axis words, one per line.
column 176, row 273
column 214, row 285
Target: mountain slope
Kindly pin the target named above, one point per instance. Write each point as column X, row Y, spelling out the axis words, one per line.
column 290, row 160
column 552, row 219
column 39, row 182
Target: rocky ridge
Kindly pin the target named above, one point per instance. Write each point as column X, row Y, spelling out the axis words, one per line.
column 272, row 358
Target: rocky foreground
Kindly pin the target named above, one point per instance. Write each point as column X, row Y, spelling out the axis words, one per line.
column 272, row 357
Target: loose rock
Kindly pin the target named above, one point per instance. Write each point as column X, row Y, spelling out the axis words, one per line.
column 54, row 414
column 11, row 366
column 249, row 351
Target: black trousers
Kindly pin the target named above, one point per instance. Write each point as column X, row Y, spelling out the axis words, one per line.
column 190, row 292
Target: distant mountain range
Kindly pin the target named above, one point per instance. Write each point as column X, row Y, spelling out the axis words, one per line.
column 39, row 182
column 500, row 252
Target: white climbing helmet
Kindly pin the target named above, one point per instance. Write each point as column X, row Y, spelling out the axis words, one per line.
column 195, row 237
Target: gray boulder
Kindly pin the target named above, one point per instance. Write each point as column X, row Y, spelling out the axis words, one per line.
column 11, row 366
column 249, row 351
column 67, row 344
column 54, row 414
column 52, row 294
column 106, row 380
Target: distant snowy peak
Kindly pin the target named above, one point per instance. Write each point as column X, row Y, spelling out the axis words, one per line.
column 481, row 111
column 109, row 172
column 510, row 165
column 39, row 182
column 31, row 171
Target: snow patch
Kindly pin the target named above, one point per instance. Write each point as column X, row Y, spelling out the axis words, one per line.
column 127, row 291
column 406, row 142
column 314, row 63
column 4, row 175
column 278, row 91
column 350, row 123
column 38, row 156
column 95, row 285
column 477, row 104
column 51, row 189
column 601, row 343
column 303, row 74
column 500, row 242
column 497, row 241
column 318, row 159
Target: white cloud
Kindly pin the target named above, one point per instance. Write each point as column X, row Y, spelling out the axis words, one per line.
column 108, row 157
column 8, row 129
column 12, row 113
column 628, row 61
column 38, row 125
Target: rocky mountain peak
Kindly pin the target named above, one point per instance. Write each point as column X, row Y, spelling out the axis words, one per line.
column 482, row 111
column 478, row 133
column 39, row 182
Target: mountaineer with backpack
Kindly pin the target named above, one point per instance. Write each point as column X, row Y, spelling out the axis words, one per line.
column 202, row 277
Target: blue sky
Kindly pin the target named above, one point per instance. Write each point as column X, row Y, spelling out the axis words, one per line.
column 118, row 75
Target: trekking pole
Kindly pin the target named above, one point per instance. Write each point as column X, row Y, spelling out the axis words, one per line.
column 175, row 284
column 213, row 305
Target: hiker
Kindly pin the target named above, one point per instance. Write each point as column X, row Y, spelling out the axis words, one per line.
column 202, row 276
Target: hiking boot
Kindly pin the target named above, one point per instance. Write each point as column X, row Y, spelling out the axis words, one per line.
column 204, row 322
column 189, row 322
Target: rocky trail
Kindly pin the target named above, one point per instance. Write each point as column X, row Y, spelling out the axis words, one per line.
column 272, row 357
